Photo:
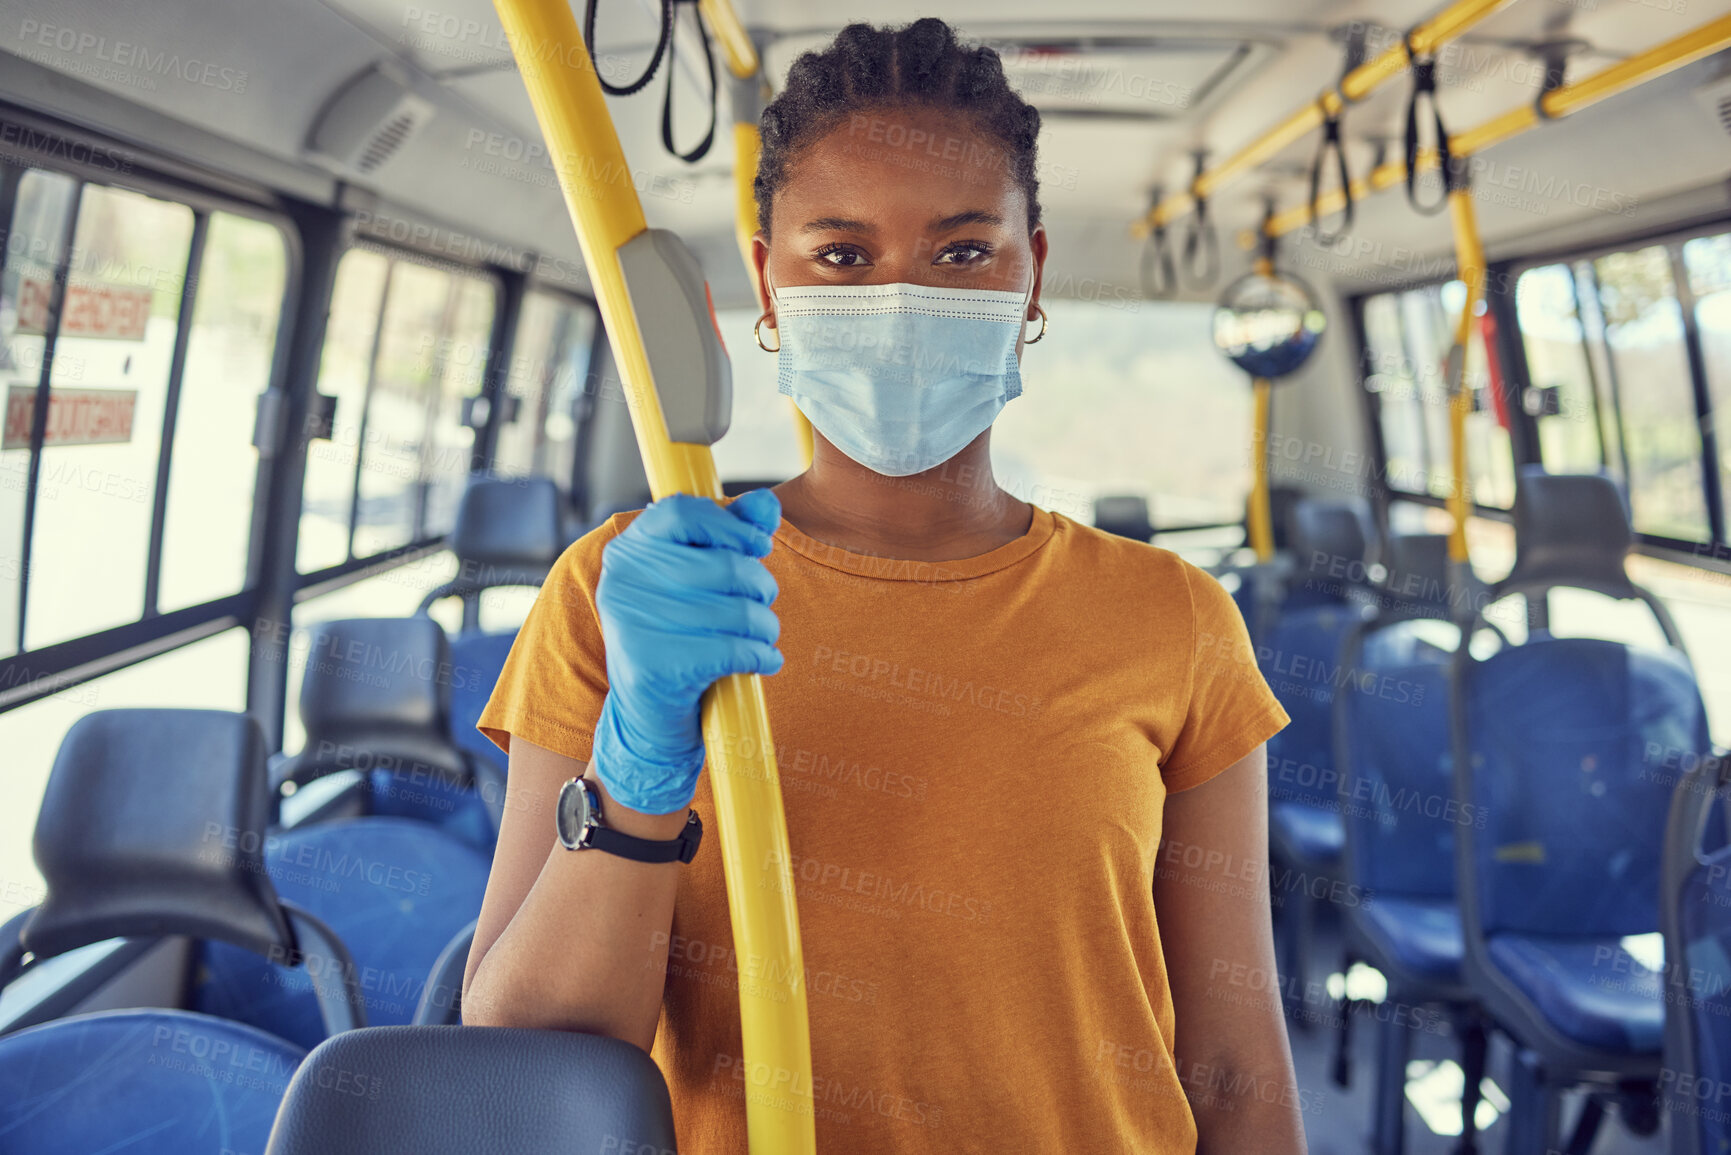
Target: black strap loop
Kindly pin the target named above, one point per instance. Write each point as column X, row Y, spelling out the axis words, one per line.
column 702, row 148
column 661, row 46
column 1201, row 241
column 1267, row 244
column 1424, row 84
column 1157, row 254
column 1330, row 140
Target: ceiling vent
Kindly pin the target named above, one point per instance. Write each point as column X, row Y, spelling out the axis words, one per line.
column 369, row 120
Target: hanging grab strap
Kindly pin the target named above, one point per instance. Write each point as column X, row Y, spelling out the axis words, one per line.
column 1424, row 84
column 1201, row 242
column 1157, row 255
column 654, row 61
column 702, row 148
column 1330, row 140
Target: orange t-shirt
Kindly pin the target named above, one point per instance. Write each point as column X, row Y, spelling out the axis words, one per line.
column 974, row 758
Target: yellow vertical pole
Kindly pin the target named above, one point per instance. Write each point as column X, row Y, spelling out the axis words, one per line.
column 1261, row 512
column 1470, row 268
column 752, row 826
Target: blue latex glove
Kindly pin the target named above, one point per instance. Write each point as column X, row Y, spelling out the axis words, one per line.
column 683, row 600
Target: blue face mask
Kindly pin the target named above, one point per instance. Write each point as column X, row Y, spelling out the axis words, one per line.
column 899, row 377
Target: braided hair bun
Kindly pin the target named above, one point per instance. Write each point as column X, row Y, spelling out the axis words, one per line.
column 921, row 65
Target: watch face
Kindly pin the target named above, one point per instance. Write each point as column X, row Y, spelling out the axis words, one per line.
column 574, row 814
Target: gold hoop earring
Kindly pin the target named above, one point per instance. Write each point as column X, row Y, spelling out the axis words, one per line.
column 1035, row 339
column 757, row 335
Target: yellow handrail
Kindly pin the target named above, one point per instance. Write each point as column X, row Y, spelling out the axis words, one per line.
column 735, row 41
column 751, row 824
column 1449, row 24
column 1564, row 100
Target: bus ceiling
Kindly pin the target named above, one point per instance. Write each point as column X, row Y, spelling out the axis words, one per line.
column 410, row 115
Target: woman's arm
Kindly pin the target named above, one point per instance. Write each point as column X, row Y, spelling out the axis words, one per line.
column 570, row 940
column 1216, row 933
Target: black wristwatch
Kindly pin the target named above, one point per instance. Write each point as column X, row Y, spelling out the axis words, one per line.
column 578, row 816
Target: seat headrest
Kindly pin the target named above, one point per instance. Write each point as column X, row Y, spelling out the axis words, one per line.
column 1281, row 499
column 509, row 523
column 153, row 823
column 1125, row 515
column 1571, row 529
column 377, row 675
column 1330, row 539
column 1419, row 581
column 481, row 1090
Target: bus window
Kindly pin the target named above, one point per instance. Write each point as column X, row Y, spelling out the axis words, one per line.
column 1708, row 260
column 1643, row 332
column 1095, row 415
column 343, row 371
column 1557, row 358
column 458, row 365
column 549, row 375
column 33, row 248
column 405, row 346
column 229, row 357
column 112, row 364
column 1407, row 339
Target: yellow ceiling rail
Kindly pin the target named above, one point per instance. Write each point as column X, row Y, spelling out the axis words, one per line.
column 1558, row 103
column 735, row 41
column 626, row 260
column 1449, row 24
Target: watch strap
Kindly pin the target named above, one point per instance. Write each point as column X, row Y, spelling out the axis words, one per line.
column 680, row 849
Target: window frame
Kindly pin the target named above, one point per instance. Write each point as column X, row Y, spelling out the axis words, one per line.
column 355, row 567
column 1715, row 553
column 1499, row 303
column 1510, row 348
column 31, row 674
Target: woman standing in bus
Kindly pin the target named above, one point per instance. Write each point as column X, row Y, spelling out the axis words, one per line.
column 1021, row 759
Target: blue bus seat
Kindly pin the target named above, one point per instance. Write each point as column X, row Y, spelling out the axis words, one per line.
column 145, row 1082
column 509, row 531
column 480, row 656
column 153, row 824
column 1392, row 746
column 1549, row 741
column 376, row 698
column 1695, row 914
column 479, row 1090
column 1298, row 654
column 396, row 890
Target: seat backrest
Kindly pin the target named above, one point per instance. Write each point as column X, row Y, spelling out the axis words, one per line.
column 1300, row 659
column 1391, row 728
column 1695, row 916
column 153, row 824
column 394, row 889
column 1392, row 751
column 507, row 528
column 480, row 1090
column 1331, row 542
column 1125, row 515
column 1574, row 822
column 156, row 1082
column 376, row 695
column 481, row 656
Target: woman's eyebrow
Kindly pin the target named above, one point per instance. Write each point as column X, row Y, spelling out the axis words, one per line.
column 969, row 217
column 837, row 224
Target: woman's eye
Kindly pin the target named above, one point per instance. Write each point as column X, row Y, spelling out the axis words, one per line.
column 961, row 254
column 842, row 257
